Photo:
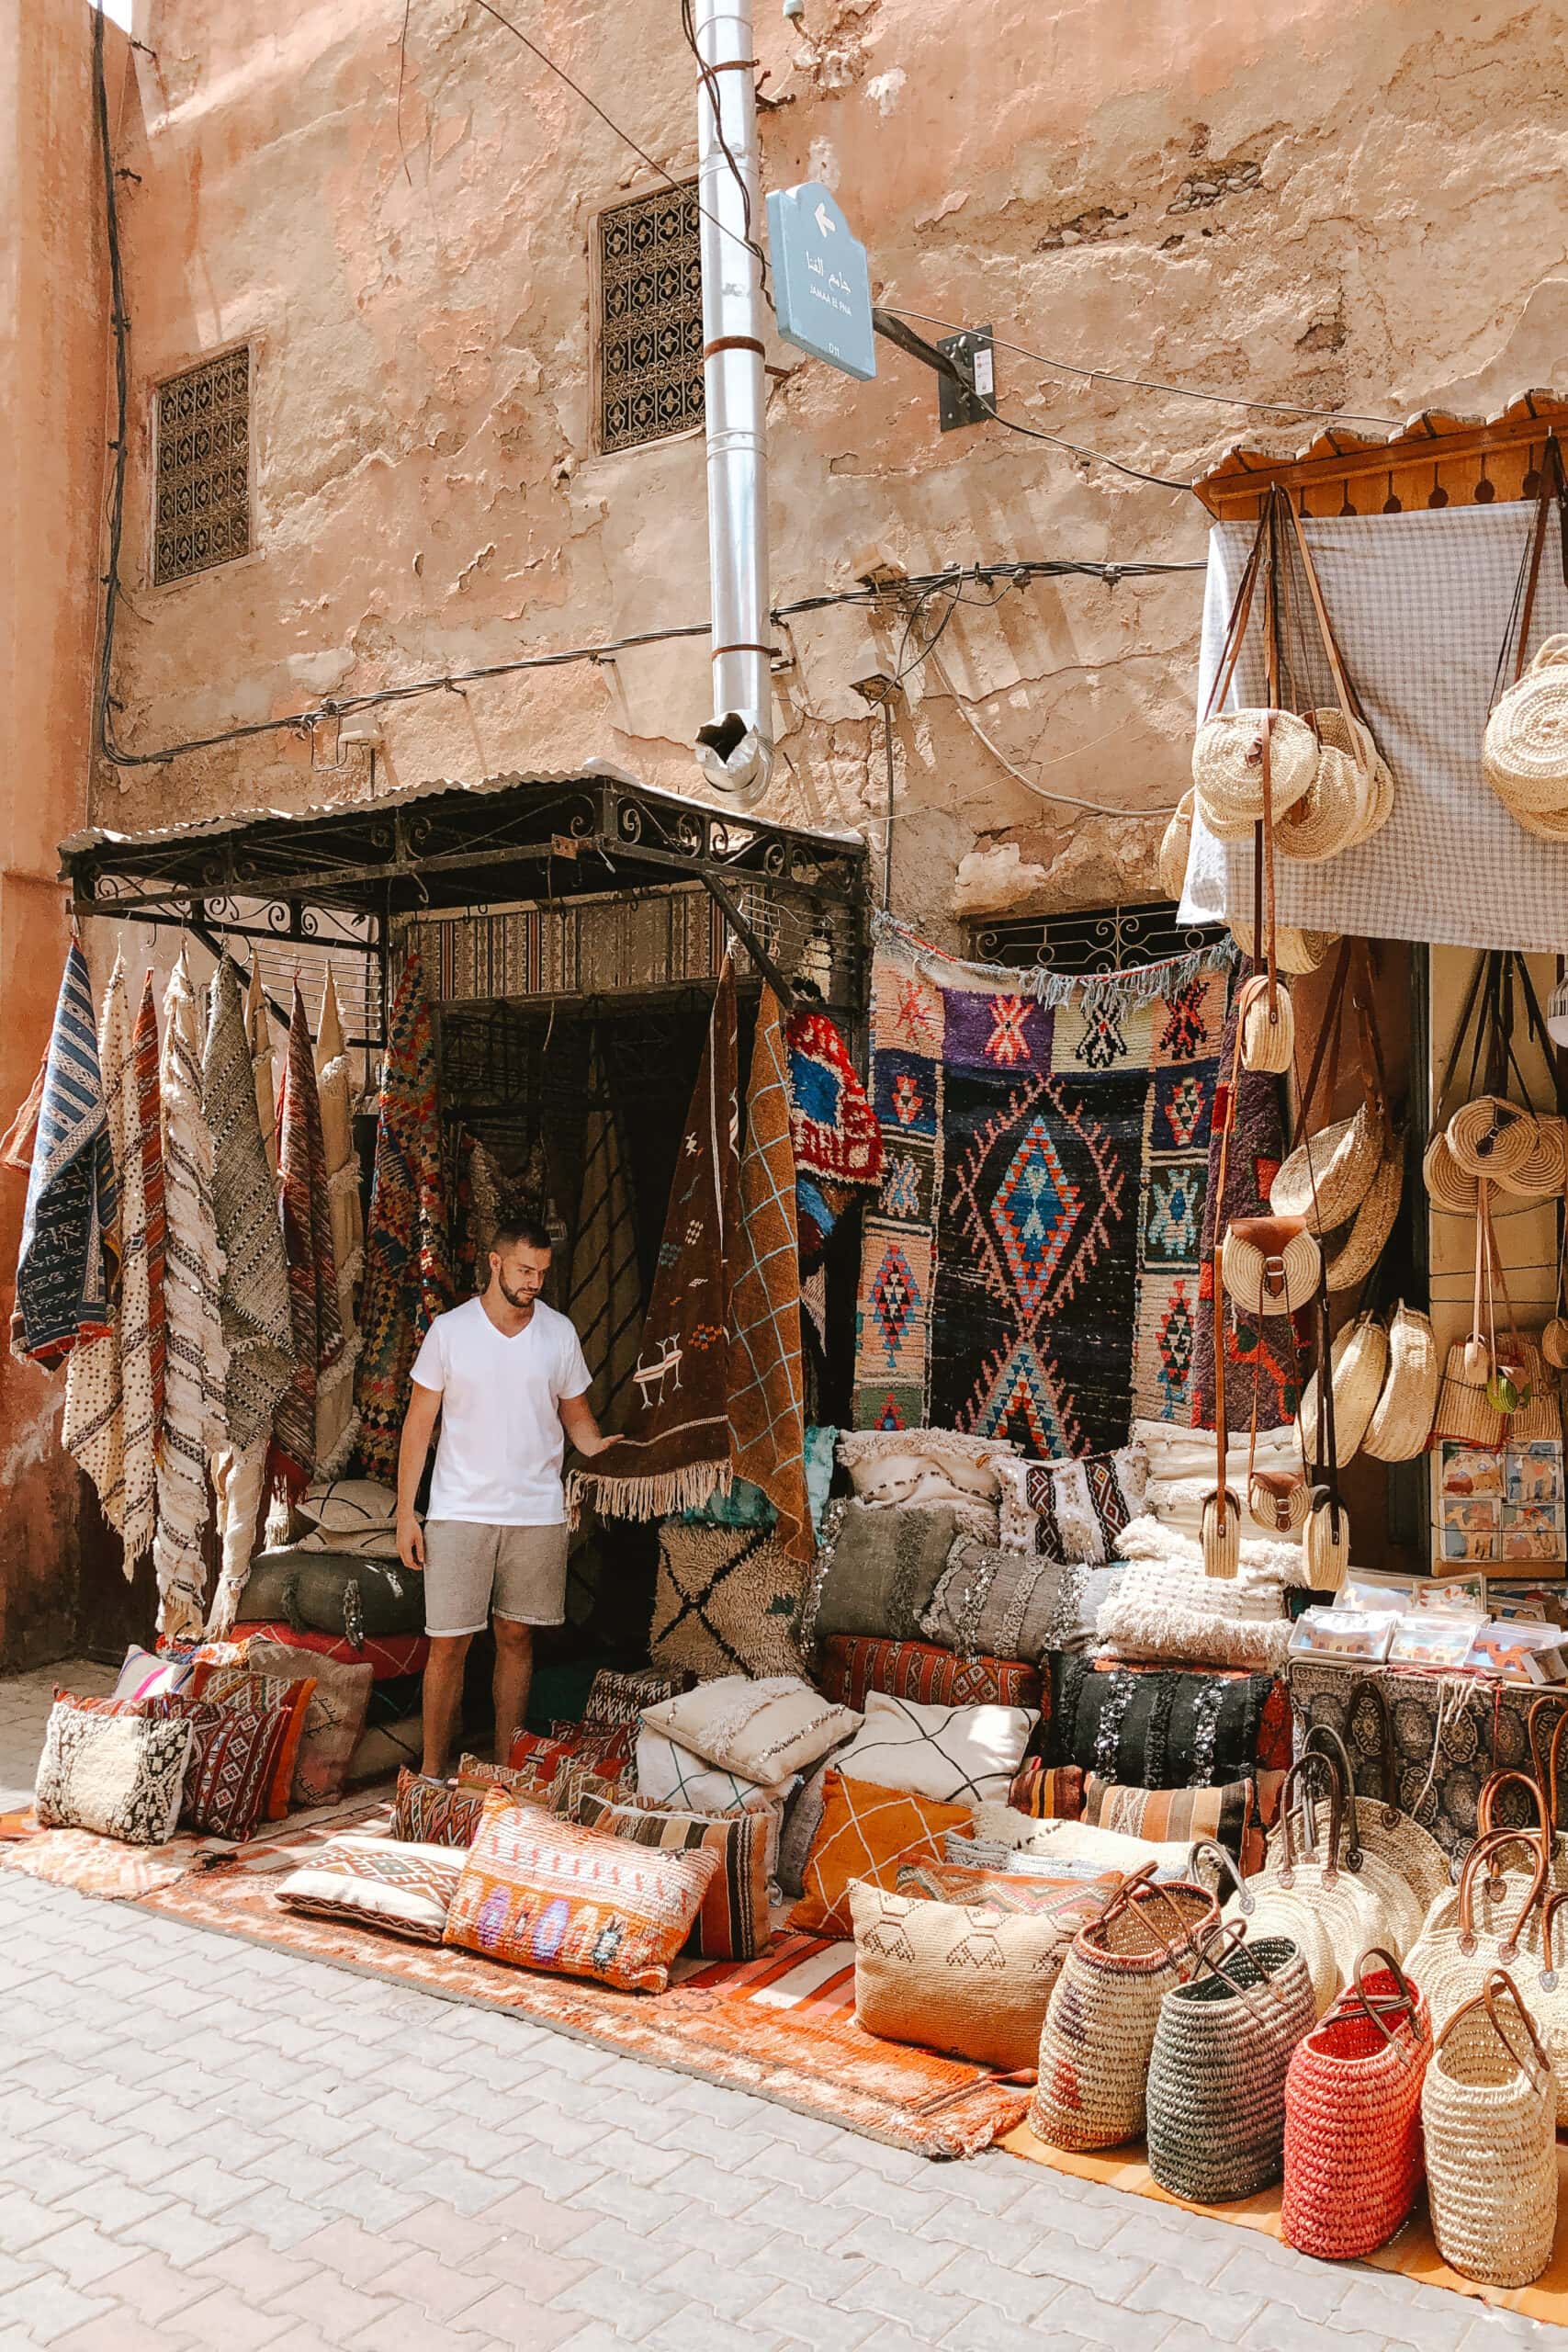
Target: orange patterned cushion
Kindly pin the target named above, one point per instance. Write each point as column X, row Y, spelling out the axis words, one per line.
column 542, row 1894
column 230, row 1686
column 866, row 1832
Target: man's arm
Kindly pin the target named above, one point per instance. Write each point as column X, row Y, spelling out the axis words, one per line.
column 419, row 1428
column 577, row 1419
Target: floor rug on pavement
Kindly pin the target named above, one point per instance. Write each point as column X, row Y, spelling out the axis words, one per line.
column 108, row 1867
column 1412, row 2253
column 781, row 2027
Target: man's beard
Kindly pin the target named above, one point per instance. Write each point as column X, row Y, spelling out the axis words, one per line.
column 521, row 1299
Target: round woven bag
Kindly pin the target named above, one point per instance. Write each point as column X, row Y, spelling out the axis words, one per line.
column 1175, row 846
column 1363, row 1245
column 1221, row 2051
column 1449, row 1187
column 1412, row 1853
column 1294, row 951
column 1344, row 1158
column 1525, row 752
column 1492, row 1136
column 1276, row 1279
column 1543, row 1171
column 1330, row 816
column 1227, row 768
column 1488, row 2117
column 1402, row 1419
column 1359, row 1358
column 1100, row 2026
column 1376, row 788
column 1267, row 1030
column 1353, row 2155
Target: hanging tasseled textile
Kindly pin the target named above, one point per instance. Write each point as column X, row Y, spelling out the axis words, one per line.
column 312, row 1273
column 767, row 1416
column 485, row 1190
column 65, row 1272
column 197, row 1358
column 258, row 1028
column 254, row 1296
column 109, row 1422
column 674, row 1452
column 337, row 1422
column 605, row 1287
column 1261, row 1363
column 149, row 1132
column 17, row 1143
column 408, row 1276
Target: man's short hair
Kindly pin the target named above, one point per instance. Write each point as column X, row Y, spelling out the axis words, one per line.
column 524, row 1232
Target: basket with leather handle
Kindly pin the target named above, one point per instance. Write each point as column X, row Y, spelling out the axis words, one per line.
column 1402, row 1419
column 1486, row 1922
column 1412, row 1852
column 1353, row 2153
column 1467, row 1411
column 1351, row 793
column 1229, row 750
column 1221, row 2048
column 1265, row 1908
column 1326, row 1176
column 1488, row 2123
column 1270, row 1265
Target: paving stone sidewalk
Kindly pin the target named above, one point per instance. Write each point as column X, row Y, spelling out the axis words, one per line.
column 203, row 2143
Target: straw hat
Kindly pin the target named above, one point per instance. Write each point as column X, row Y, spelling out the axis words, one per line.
column 1451, row 1187
column 1331, row 814
column 1359, row 1357
column 1227, row 767
column 1362, row 1246
column 1176, row 845
column 1401, row 1421
column 1294, row 951
column 1524, row 755
column 1376, row 783
column 1344, row 1158
column 1493, row 1137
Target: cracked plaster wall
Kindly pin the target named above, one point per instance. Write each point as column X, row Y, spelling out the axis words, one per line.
column 1352, row 208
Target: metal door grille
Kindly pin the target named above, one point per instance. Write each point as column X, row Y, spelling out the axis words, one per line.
column 202, row 516
column 650, row 318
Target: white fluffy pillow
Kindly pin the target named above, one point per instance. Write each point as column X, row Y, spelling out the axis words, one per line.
column 923, row 1466
column 1072, row 1841
column 957, row 1755
column 1181, row 1472
column 764, row 1731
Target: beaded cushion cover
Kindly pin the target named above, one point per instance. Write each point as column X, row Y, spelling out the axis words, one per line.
column 1009, row 1604
column 544, row 1894
column 732, row 1923
column 122, row 1776
column 1072, row 1511
column 866, row 1832
column 376, row 1883
column 854, row 1665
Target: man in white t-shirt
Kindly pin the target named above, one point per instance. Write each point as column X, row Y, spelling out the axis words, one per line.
column 506, row 1376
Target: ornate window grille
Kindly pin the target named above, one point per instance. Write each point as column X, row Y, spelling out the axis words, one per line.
column 202, row 467
column 649, row 325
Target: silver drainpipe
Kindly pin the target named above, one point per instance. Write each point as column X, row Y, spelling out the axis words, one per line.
column 736, row 752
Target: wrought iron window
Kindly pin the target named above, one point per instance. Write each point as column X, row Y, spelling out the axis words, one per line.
column 1104, row 939
column 650, row 318
column 202, row 467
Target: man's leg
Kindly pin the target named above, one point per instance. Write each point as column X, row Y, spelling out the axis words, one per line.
column 513, row 1672
column 443, row 1697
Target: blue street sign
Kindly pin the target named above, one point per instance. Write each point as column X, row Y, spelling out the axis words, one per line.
column 821, row 279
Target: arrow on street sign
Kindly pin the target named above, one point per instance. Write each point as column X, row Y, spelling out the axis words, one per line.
column 821, row 279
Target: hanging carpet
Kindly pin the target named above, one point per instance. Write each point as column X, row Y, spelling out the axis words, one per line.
column 337, row 1422
column 17, row 1143
column 675, row 1450
column 66, row 1268
column 838, row 1144
column 258, row 1026
column 193, row 1426
column 603, row 1296
column 253, row 1298
column 108, row 1421
column 408, row 1277
column 767, row 1396
column 1031, row 1268
column 312, row 1271
column 1258, row 1356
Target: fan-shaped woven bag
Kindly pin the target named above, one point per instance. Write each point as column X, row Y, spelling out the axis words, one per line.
column 1363, row 1245
column 1493, row 1136
column 1344, row 1158
column 1359, row 1356
column 1227, row 767
column 1525, row 754
column 1176, row 845
column 1294, row 951
column 1402, row 1419
column 1451, row 1187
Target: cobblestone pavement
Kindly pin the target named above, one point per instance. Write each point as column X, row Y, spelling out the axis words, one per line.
column 203, row 2143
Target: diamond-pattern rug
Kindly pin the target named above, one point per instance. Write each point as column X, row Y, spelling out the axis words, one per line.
column 1030, row 1266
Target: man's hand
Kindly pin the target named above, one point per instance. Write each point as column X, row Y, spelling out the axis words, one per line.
column 577, row 1419
column 411, row 1546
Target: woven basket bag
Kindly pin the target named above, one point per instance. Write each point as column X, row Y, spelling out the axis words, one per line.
column 1099, row 2028
column 1402, row 1419
column 1488, row 2118
column 1493, row 1136
column 1359, row 1357
column 1227, row 767
column 1344, row 1158
column 1267, row 1025
column 1176, row 847
column 1294, row 951
column 1261, row 1907
column 1270, row 1265
column 1353, row 2153
column 1332, row 812
column 1353, row 1905
column 1525, row 749
column 1376, row 1823
column 1363, row 1245
column 1486, row 1922
column 1451, row 1187
column 1222, row 2050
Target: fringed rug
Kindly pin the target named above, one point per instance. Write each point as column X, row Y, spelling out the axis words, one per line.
column 252, row 1296
column 781, row 2027
column 767, row 1390
column 66, row 1267
column 1259, row 1355
column 674, row 1452
column 408, row 1268
column 1412, row 2253
column 603, row 1296
column 307, row 1251
column 1031, row 1270
column 337, row 1422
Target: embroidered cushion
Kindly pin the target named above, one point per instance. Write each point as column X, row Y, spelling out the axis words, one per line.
column 350, row 1506
column 334, row 1717
column 1181, row 1472
column 1160, row 1728
column 670, row 1775
column 727, row 1601
column 551, row 1774
column 1083, row 1592
column 427, row 1812
column 1172, row 1611
column 923, row 1466
column 802, row 1819
column 1047, row 1791
column 765, row 1732
column 1001, row 1829
column 607, row 1746
column 853, row 1665
column 1035, row 1891
column 544, row 1894
column 732, row 1923
column 149, row 1674
column 1228, row 1813
column 229, row 1686
column 620, row 1697
column 956, row 1754
column 866, row 1832
column 964, row 1978
column 877, row 1571
column 373, row 1883
column 1072, row 1511
column 234, row 1763
column 122, row 1776
column 1006, row 1605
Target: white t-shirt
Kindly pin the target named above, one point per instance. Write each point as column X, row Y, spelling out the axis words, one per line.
column 498, row 1460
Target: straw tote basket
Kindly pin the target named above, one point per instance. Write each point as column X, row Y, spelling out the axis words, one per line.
column 1486, row 1922
column 1100, row 2026
column 1380, row 1879
column 1331, row 813
column 1294, row 951
column 1358, row 1907
column 1265, row 1908
column 1222, row 2050
column 1176, row 847
column 1534, row 1786
column 1360, row 1355
column 1353, row 2152
column 1402, row 1419
column 1367, row 1236
column 1487, row 2117
column 1412, row 1853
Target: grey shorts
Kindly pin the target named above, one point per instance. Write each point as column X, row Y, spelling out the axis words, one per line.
column 473, row 1571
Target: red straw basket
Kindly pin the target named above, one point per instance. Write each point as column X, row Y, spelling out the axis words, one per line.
column 1353, row 2149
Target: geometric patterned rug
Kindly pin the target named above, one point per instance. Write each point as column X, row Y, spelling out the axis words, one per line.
column 1031, row 1267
